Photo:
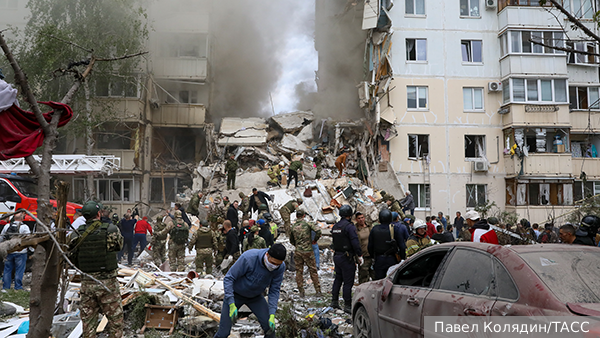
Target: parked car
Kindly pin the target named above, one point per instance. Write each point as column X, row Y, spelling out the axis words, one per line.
column 479, row 279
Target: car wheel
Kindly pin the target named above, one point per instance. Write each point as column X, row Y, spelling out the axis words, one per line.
column 362, row 324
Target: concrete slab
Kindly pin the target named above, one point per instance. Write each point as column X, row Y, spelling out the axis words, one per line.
column 292, row 143
column 306, row 134
column 292, row 122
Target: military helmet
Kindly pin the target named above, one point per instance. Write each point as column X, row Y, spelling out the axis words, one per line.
column 300, row 213
column 177, row 213
column 382, row 193
column 346, row 210
column 204, row 222
column 591, row 221
column 493, row 220
column 267, row 216
column 525, row 223
column 242, row 195
column 158, row 219
column 115, row 217
column 254, row 228
column 299, row 200
column 419, row 223
column 263, row 207
column 385, row 216
column 91, row 209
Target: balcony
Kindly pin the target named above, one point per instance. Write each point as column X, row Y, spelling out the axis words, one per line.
column 591, row 167
column 127, row 157
column 536, row 115
column 515, row 13
column 534, row 64
column 539, row 213
column 181, row 68
column 179, row 115
column 541, row 164
column 119, row 108
column 579, row 120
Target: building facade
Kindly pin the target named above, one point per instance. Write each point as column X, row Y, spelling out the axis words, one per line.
column 455, row 85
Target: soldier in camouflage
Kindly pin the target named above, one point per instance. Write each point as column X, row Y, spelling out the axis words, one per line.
column 192, row 208
column 300, row 237
column 220, row 244
column 205, row 241
column 94, row 247
column 286, row 211
column 178, row 236
column 231, row 167
column 244, row 206
column 216, row 210
column 158, row 241
column 253, row 240
column 262, row 210
column 319, row 159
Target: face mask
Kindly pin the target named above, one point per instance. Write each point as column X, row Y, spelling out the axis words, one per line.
column 270, row 266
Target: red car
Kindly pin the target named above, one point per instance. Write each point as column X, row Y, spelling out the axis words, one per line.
column 479, row 279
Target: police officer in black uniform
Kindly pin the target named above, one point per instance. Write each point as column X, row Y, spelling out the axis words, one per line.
column 586, row 234
column 382, row 247
column 346, row 247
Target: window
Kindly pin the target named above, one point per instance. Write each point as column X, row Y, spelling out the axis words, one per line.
column 581, row 8
column 418, row 146
column 421, row 271
column 531, row 42
column 473, row 99
column 471, row 51
column 476, row 195
column 9, row 4
column 7, row 191
column 415, row 7
column 505, row 286
column 584, row 98
column 115, row 190
column 589, row 189
column 421, row 195
column 416, row 97
column 580, row 58
column 536, row 90
column 172, row 186
column 469, row 272
column 469, row 8
column 474, row 146
column 116, row 87
column 540, row 193
column 115, row 139
column 184, row 45
column 416, row 49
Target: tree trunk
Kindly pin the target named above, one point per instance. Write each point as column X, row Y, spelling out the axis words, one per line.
column 89, row 141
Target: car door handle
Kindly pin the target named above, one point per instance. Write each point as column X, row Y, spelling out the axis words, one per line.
column 413, row 301
column 472, row 312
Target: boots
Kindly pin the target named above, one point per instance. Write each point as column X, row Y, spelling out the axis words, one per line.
column 335, row 304
column 347, row 308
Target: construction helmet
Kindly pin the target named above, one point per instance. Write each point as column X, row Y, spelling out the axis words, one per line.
column 419, row 223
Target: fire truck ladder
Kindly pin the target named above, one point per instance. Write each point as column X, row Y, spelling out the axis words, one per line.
column 66, row 164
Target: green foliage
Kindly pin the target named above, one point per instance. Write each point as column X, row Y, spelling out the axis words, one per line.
column 589, row 206
column 136, row 310
column 19, row 297
column 484, row 209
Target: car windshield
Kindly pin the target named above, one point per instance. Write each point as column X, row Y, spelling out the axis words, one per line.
column 26, row 188
column 573, row 276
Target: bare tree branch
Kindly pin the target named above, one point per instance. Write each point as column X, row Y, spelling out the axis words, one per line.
column 68, row 42
column 564, row 49
column 127, row 56
column 575, row 21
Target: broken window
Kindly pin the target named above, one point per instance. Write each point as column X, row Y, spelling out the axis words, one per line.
column 474, row 146
column 473, row 99
column 113, row 138
column 116, row 87
column 421, row 195
column 415, row 7
column 584, row 98
column 184, row 45
column 469, row 272
column 418, row 146
column 476, row 195
column 115, row 190
column 172, row 187
column 416, row 97
column 416, row 49
column 469, row 8
column 471, row 51
column 583, row 190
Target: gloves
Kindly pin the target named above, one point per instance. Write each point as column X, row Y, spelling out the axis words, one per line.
column 360, row 260
column 272, row 322
column 233, row 312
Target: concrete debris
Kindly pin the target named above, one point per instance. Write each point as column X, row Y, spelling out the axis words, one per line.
column 292, row 144
column 293, row 122
column 242, row 131
column 306, row 134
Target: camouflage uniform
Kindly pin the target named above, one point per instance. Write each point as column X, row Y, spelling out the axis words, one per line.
column 257, row 243
column 94, row 298
column 300, row 237
column 231, row 167
column 158, row 242
column 285, row 212
column 217, row 210
column 176, row 251
column 262, row 210
column 319, row 163
column 396, row 207
column 192, row 208
column 205, row 241
column 244, row 206
column 220, row 247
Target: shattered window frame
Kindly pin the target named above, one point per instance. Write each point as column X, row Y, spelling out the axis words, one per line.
column 582, row 59
column 418, row 146
column 422, row 194
column 415, row 6
column 470, row 9
column 108, row 192
column 420, row 95
column 475, row 146
column 418, row 51
column 471, row 92
column 583, row 98
column 476, row 195
column 472, row 51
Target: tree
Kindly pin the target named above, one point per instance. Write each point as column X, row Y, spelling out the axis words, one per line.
column 61, row 35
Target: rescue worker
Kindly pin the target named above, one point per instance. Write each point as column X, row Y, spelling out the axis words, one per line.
column 265, row 232
column 158, row 241
column 384, row 246
column 418, row 240
column 253, row 240
column 205, row 242
column 300, row 237
column 220, row 244
column 295, row 166
column 232, row 244
column 272, row 225
column 586, row 234
column 340, row 163
column 231, row 167
column 274, row 173
column 244, row 206
column 395, row 207
column 95, row 246
column 245, row 283
column 215, row 211
column 286, row 211
column 363, row 230
column 319, row 159
column 258, row 198
column 194, row 204
column 178, row 236
column 262, row 210
column 346, row 247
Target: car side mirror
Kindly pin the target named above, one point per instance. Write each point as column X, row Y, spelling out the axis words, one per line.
column 387, row 288
column 13, row 198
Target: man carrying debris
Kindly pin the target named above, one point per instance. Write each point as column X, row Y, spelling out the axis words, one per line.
column 158, row 241
column 286, row 212
column 205, row 241
column 178, row 237
column 192, row 208
column 95, row 246
column 300, row 237
column 346, row 247
column 295, row 166
column 319, row 161
column 244, row 206
column 258, row 198
column 231, row 167
column 340, row 163
column 232, row 243
column 245, row 283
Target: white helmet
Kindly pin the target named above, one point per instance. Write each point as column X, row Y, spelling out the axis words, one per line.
column 281, row 163
column 419, row 223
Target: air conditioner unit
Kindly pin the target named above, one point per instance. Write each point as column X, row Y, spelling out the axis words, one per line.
column 481, row 165
column 495, row 86
column 491, row 4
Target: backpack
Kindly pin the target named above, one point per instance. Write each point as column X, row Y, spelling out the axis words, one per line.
column 12, row 230
column 180, row 234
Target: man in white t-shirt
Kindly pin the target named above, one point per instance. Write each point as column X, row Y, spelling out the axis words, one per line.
column 14, row 261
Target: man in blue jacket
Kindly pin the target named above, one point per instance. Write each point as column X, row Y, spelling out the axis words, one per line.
column 245, row 282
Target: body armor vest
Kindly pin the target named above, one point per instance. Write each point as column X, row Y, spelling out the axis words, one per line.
column 93, row 255
column 341, row 242
column 381, row 236
column 204, row 239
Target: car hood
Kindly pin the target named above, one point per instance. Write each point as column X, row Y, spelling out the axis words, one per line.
column 585, row 309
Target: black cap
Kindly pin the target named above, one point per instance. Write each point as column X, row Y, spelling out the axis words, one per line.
column 278, row 251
